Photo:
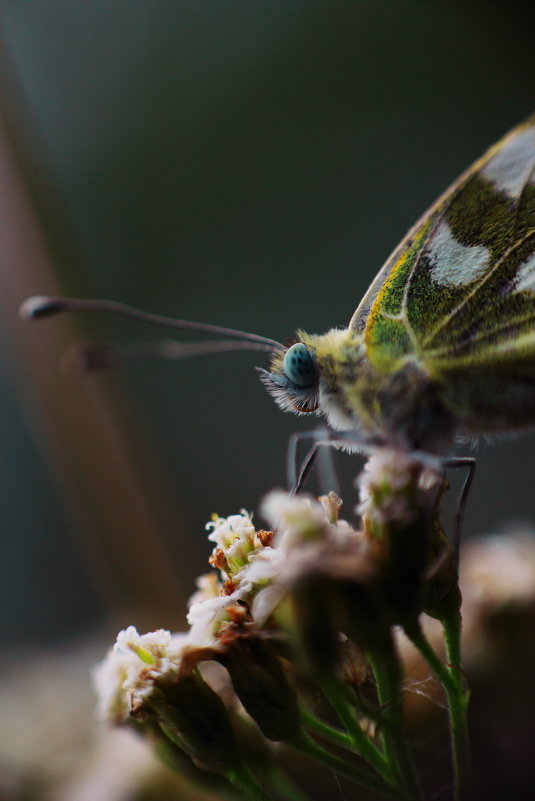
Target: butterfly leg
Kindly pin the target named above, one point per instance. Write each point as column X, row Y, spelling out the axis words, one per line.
column 468, row 462
column 305, row 469
column 322, row 438
column 296, row 478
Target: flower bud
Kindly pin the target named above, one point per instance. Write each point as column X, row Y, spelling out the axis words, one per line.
column 399, row 505
column 148, row 678
column 260, row 682
column 194, row 717
column 178, row 761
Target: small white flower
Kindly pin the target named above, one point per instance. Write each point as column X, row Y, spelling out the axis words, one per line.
column 332, row 505
column 126, row 676
column 499, row 571
column 206, row 617
column 297, row 518
column 265, row 566
column 384, row 487
column 148, row 647
column 394, row 468
column 235, row 536
column 266, row 601
column 208, row 586
column 109, row 676
column 226, row 530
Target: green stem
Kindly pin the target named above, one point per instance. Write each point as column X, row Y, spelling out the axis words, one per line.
column 338, row 698
column 326, row 732
column 451, row 626
column 387, row 672
column 285, row 786
column 364, row 779
column 244, row 781
column 452, row 681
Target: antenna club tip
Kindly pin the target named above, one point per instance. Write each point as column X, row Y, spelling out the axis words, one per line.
column 39, row 306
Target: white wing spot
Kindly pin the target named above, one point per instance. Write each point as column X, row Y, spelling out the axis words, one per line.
column 452, row 263
column 525, row 279
column 510, row 168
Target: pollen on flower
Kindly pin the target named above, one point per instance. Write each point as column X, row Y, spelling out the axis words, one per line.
column 226, row 530
column 228, row 587
column 265, row 537
column 235, row 539
column 332, row 505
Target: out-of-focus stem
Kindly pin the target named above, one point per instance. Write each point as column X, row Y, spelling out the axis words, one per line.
column 387, row 672
column 285, row 787
column 340, row 702
column 326, row 731
column 369, row 781
column 242, row 778
column 451, row 678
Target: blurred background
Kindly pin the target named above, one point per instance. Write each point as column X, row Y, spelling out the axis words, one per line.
column 244, row 163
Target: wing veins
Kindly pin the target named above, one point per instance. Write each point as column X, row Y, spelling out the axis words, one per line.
column 404, row 313
column 441, row 205
column 527, row 182
column 444, row 351
column 476, row 289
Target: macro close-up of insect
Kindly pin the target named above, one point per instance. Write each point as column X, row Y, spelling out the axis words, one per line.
column 204, row 599
column 441, row 349
column 441, row 346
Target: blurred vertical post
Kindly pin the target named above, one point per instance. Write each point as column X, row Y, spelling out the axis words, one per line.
column 105, row 472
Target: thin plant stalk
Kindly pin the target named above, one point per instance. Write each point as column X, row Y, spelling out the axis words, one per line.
column 386, row 669
column 285, row 786
column 326, row 732
column 244, row 781
column 364, row 779
column 452, row 681
column 339, row 700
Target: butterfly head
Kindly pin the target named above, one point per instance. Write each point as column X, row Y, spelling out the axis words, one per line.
column 312, row 373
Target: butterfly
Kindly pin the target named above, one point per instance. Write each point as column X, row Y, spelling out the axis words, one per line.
column 441, row 345
column 443, row 342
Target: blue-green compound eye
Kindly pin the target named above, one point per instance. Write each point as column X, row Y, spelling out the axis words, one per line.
column 299, row 366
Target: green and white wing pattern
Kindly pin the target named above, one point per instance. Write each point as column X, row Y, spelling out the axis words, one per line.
column 459, row 292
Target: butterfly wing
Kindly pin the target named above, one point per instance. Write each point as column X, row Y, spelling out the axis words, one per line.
column 458, row 294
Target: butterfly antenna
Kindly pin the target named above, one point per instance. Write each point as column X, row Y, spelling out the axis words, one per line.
column 89, row 357
column 41, row 306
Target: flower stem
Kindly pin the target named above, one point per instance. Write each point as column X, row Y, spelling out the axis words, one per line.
column 451, row 679
column 361, row 777
column 284, row 785
column 326, row 731
column 338, row 698
column 387, row 672
column 243, row 780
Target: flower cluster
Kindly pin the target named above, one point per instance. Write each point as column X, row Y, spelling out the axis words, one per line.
column 126, row 678
column 255, row 571
column 295, row 616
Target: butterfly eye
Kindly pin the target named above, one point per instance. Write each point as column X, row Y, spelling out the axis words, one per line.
column 299, row 366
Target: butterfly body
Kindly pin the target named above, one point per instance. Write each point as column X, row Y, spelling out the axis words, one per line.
column 443, row 342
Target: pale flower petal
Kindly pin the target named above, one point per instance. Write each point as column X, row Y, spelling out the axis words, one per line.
column 208, row 586
column 297, row 518
column 109, row 676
